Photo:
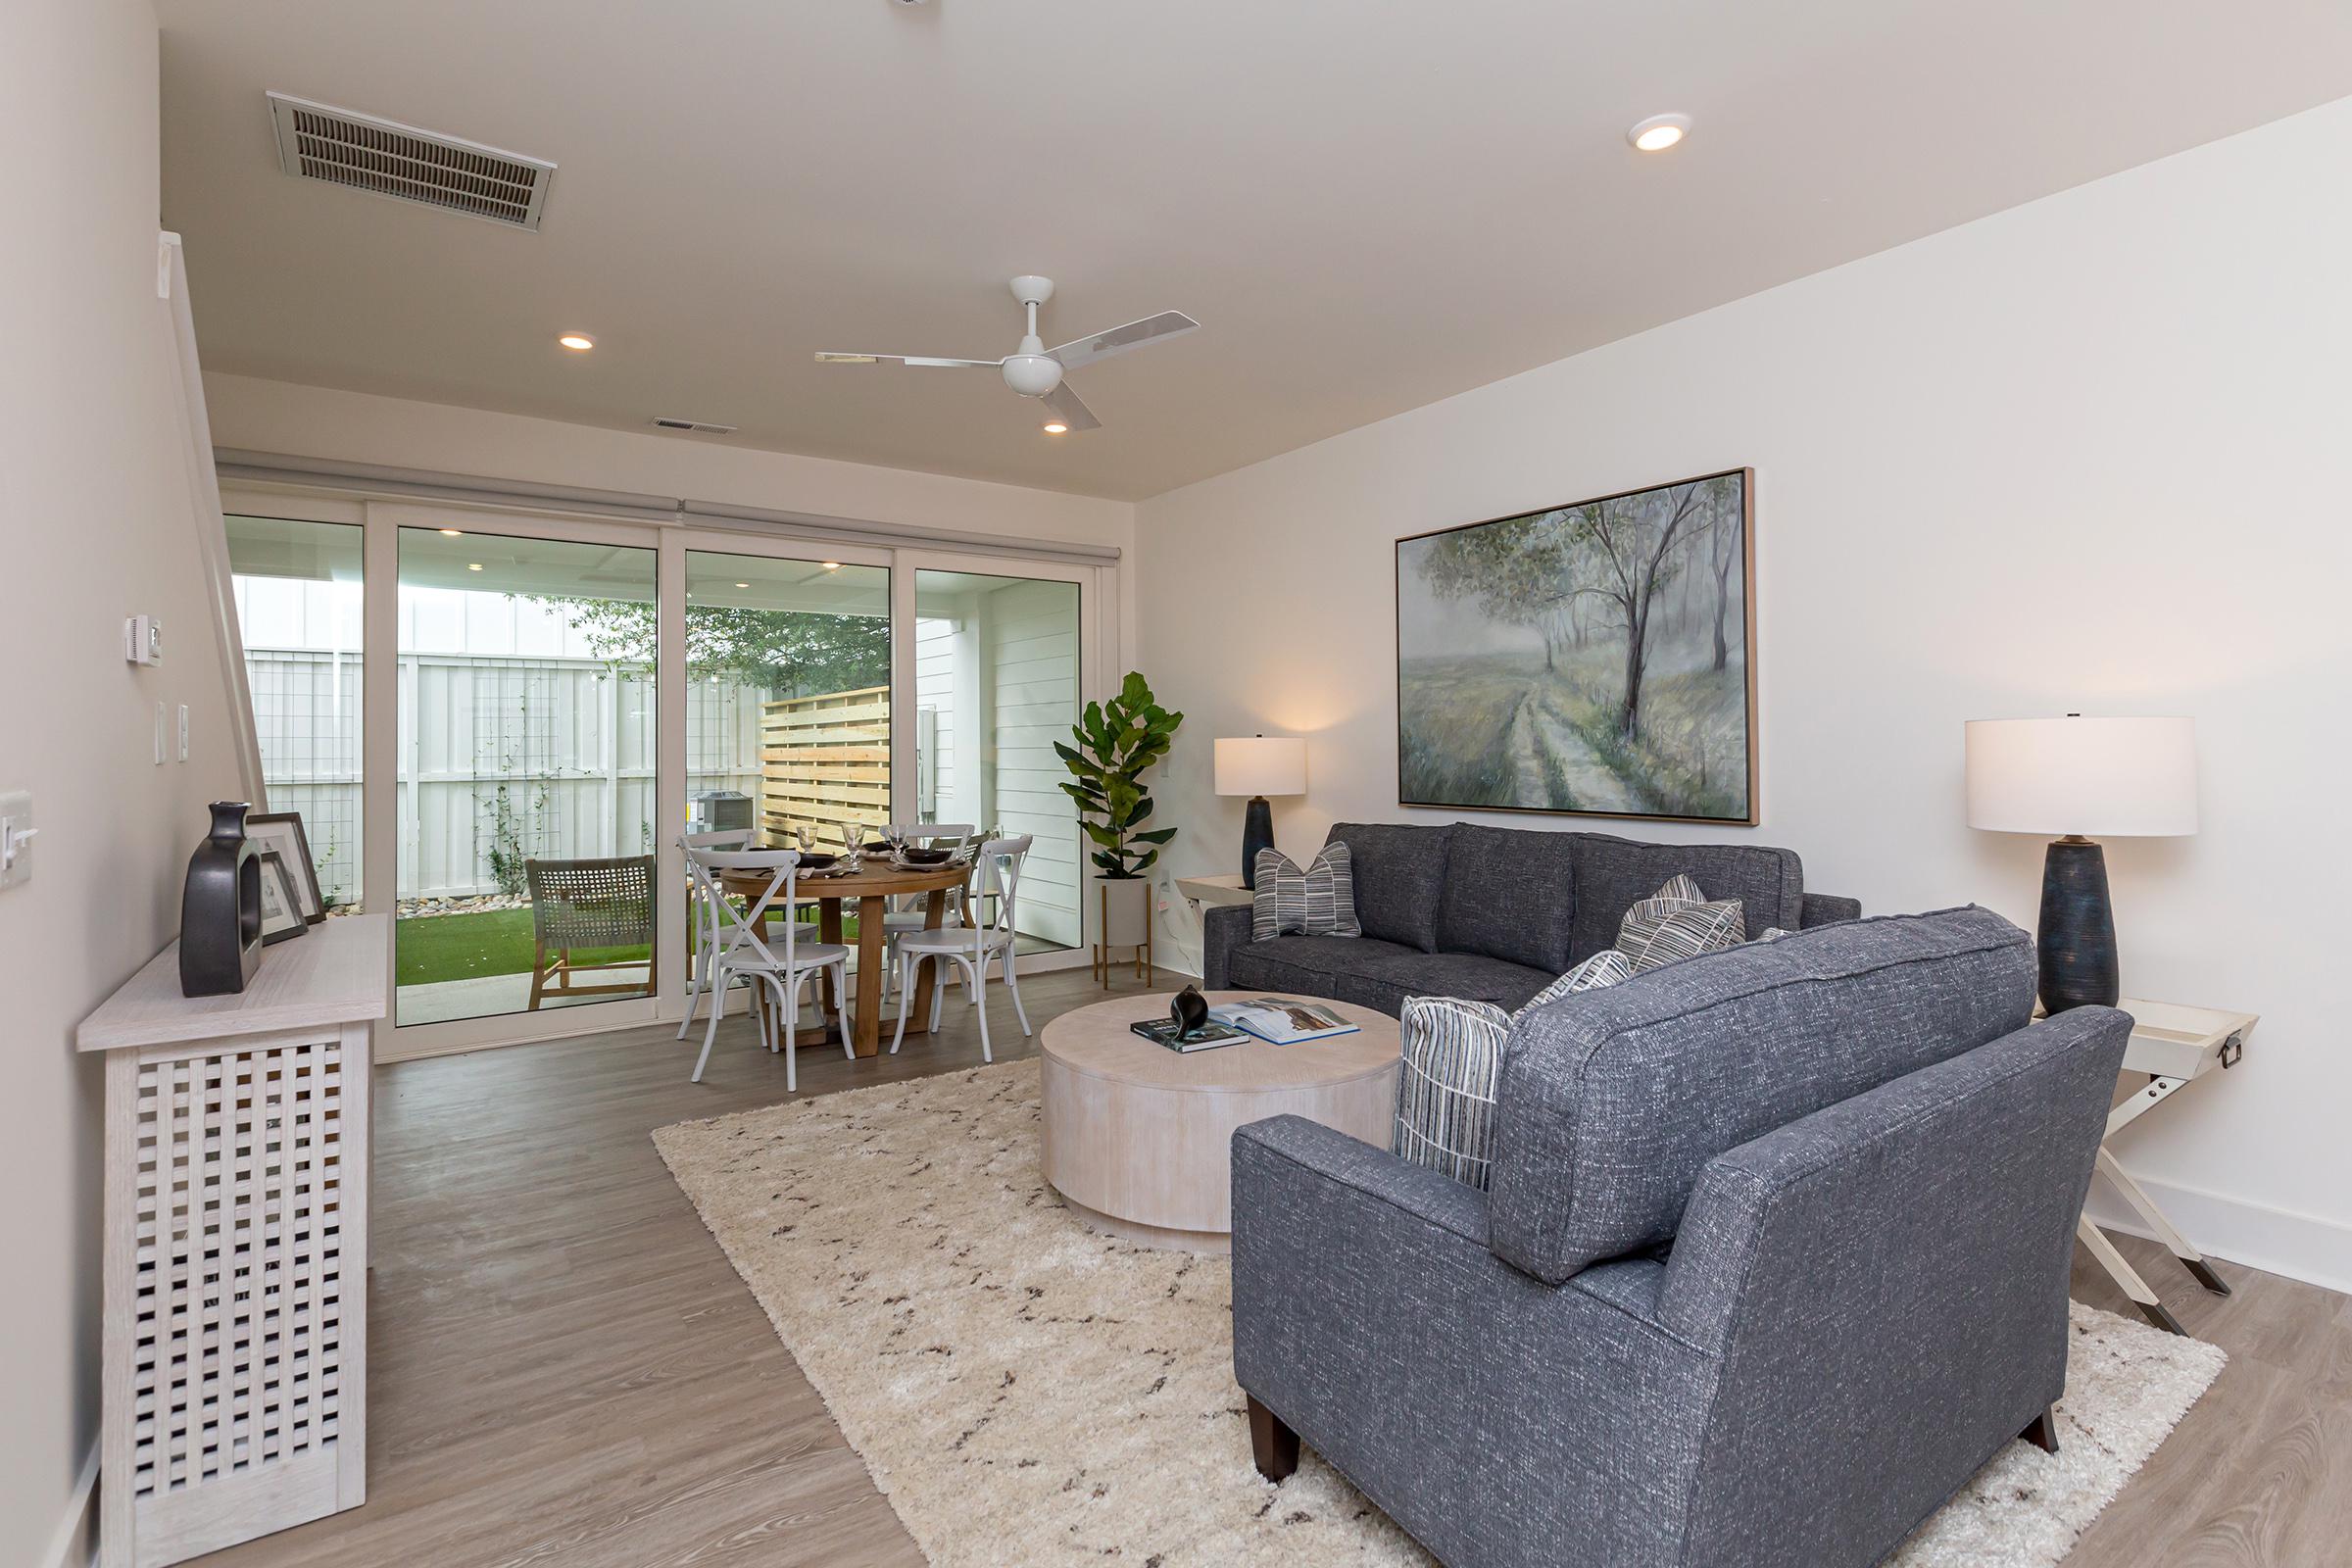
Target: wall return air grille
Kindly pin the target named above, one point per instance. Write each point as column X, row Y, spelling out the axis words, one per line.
column 341, row 147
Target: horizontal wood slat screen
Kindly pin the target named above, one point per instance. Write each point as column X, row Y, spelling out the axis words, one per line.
column 825, row 761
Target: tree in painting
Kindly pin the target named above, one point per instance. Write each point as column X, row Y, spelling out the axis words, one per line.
column 1588, row 658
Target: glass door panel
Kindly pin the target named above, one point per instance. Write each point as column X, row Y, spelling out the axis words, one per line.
column 526, row 780
column 787, row 697
column 997, row 683
column 299, row 606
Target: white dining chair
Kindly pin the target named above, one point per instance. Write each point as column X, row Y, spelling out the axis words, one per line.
column 703, row 889
column 746, row 949
column 971, row 947
column 895, row 923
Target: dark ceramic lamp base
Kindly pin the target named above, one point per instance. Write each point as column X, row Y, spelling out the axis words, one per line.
column 1257, row 833
column 2076, row 944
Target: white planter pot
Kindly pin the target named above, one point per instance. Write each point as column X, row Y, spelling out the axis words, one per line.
column 1124, row 904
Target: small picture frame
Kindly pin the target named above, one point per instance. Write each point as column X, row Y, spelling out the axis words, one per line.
column 280, row 832
column 281, row 900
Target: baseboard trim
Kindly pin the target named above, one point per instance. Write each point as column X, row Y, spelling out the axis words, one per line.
column 2278, row 1241
column 75, row 1542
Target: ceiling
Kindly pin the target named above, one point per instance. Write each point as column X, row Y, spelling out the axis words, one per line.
column 1368, row 205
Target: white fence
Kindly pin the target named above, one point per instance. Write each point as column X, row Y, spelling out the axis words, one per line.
column 500, row 758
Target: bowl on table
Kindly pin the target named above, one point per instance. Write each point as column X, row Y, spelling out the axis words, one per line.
column 818, row 859
column 875, row 847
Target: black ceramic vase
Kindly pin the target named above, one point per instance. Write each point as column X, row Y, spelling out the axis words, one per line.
column 2076, row 941
column 220, row 908
column 1189, row 1010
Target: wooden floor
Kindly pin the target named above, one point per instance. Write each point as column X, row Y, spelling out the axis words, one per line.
column 567, row 1371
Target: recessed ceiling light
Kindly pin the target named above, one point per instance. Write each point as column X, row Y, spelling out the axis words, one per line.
column 1056, row 428
column 832, row 565
column 453, row 534
column 577, row 342
column 473, row 565
column 1659, row 132
column 743, row 585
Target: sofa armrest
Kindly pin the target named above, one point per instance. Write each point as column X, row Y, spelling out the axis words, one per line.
column 1827, row 909
column 1223, row 928
column 1276, row 1162
column 2008, row 1132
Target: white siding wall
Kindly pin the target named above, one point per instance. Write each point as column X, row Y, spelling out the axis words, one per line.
column 935, row 689
column 1033, row 670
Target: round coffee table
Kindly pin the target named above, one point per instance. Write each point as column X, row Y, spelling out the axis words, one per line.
column 1138, row 1137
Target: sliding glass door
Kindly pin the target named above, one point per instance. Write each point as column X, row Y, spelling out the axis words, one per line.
column 787, row 697
column 499, row 724
column 998, row 678
column 529, row 745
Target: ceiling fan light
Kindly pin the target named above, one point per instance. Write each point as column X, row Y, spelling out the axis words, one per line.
column 1032, row 375
column 1056, row 428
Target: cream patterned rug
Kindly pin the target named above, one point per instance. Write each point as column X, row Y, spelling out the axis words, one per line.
column 1025, row 1390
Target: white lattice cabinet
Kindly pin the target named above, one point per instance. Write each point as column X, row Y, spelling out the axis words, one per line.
column 235, row 1373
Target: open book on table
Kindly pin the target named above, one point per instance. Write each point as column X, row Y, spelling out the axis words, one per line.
column 1282, row 1020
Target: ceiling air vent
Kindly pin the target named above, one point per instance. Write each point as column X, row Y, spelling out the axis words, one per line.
column 703, row 426
column 342, row 148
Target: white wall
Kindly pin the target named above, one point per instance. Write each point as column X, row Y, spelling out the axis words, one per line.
column 2085, row 455
column 97, row 525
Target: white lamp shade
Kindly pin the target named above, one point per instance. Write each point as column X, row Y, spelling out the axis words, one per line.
column 1262, row 764
column 2101, row 777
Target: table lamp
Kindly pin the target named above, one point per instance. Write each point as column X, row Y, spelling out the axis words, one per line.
column 2076, row 776
column 1260, row 765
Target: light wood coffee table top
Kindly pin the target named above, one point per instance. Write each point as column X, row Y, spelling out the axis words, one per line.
column 1137, row 1138
column 1097, row 1042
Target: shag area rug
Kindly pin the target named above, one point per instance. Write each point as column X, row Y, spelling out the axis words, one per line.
column 1027, row 1389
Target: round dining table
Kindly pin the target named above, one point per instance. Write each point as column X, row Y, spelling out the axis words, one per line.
column 872, row 884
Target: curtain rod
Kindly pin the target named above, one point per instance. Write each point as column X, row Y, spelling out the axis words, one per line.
column 271, row 467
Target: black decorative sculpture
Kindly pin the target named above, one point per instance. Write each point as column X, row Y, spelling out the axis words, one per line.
column 220, row 908
column 1189, row 1010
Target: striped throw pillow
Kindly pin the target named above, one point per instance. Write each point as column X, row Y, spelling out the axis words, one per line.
column 1678, row 922
column 1452, row 1064
column 1445, row 1085
column 1604, row 968
column 1317, row 902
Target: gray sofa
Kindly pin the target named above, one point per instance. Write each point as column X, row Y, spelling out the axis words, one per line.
column 1492, row 913
column 1775, row 1260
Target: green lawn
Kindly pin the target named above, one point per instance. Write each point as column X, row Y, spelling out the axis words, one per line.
column 465, row 946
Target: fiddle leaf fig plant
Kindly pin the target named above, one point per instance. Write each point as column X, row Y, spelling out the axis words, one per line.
column 1116, row 740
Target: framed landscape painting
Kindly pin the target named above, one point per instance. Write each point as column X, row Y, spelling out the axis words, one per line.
column 1595, row 659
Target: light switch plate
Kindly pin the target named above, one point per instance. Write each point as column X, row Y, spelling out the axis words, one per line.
column 183, row 732
column 16, row 838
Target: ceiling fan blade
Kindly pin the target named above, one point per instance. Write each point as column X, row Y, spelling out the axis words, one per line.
column 1072, row 411
column 1119, row 339
column 907, row 359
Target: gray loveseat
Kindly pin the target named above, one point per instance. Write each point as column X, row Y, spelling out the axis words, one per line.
column 1494, row 913
column 1775, row 1260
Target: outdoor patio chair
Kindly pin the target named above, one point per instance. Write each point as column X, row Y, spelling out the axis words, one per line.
column 586, row 904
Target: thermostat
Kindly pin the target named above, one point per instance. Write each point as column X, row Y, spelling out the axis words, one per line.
column 143, row 640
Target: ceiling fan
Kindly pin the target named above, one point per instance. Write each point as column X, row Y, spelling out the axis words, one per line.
column 1035, row 370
